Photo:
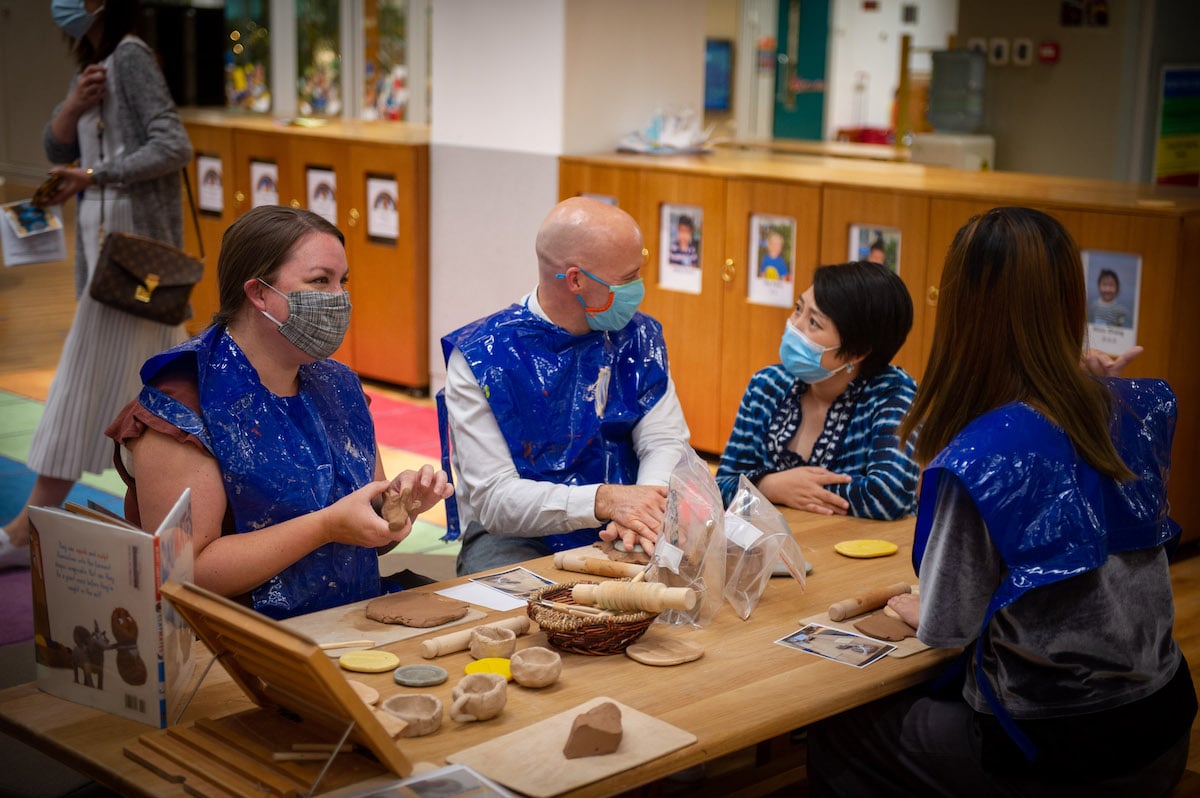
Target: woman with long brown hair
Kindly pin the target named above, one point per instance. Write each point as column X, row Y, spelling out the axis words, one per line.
column 1040, row 545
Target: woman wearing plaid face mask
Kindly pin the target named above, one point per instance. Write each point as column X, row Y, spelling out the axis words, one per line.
column 274, row 439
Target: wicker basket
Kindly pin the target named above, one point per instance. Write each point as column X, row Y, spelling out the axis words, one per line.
column 606, row 635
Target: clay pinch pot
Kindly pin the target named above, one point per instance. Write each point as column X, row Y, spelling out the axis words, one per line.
column 536, row 667
column 421, row 711
column 478, row 696
column 493, row 641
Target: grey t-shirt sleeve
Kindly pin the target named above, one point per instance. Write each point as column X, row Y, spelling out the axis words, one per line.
column 960, row 571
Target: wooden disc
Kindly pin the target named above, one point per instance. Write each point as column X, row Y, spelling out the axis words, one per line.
column 865, row 548
column 366, row 692
column 369, row 661
column 664, row 651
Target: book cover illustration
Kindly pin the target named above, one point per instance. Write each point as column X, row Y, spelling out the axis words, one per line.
column 102, row 634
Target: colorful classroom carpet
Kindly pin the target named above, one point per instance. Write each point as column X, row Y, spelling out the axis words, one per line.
column 408, row 438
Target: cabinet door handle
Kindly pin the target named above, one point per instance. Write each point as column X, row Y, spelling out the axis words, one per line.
column 353, row 214
column 238, row 197
column 295, row 203
column 931, row 296
column 730, row 270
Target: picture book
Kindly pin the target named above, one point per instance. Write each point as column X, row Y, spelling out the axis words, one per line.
column 103, row 635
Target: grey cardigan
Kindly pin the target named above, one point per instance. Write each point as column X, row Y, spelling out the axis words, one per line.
column 156, row 148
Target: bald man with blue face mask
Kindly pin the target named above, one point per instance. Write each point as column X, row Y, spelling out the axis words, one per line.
column 559, row 409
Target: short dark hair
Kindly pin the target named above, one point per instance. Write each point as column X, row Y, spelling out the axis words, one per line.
column 686, row 221
column 1109, row 273
column 871, row 308
column 256, row 245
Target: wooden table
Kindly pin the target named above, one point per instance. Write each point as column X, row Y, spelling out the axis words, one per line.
column 743, row 691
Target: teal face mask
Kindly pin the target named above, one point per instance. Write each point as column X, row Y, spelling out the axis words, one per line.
column 623, row 301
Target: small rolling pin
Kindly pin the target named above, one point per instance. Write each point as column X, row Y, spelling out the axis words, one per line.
column 461, row 640
column 645, row 596
column 596, row 566
column 871, row 600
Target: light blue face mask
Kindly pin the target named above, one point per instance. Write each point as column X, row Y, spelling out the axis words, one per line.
column 72, row 17
column 801, row 356
column 623, row 301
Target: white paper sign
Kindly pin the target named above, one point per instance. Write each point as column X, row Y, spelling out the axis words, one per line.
column 322, row 193
column 679, row 248
column 1114, row 287
column 772, row 260
column 264, row 182
column 211, row 190
column 32, row 235
column 383, row 217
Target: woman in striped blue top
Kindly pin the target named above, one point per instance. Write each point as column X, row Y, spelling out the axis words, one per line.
column 818, row 431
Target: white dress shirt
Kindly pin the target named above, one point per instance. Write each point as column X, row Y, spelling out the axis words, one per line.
column 491, row 494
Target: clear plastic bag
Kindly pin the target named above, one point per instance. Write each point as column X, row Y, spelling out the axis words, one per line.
column 690, row 551
column 757, row 537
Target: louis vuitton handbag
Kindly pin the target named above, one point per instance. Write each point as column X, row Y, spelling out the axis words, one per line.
column 145, row 277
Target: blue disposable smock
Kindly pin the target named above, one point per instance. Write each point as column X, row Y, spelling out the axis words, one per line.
column 566, row 404
column 280, row 457
column 1050, row 514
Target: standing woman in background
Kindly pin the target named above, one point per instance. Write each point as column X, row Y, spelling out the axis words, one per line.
column 119, row 122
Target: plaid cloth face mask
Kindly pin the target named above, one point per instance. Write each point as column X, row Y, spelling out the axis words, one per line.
column 316, row 322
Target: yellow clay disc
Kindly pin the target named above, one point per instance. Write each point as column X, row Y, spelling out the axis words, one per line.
column 865, row 548
column 498, row 665
column 369, row 661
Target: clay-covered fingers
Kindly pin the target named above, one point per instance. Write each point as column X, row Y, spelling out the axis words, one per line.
column 426, row 487
column 352, row 519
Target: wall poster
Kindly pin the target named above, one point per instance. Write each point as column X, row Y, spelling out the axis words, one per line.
column 680, row 236
column 322, row 192
column 264, row 182
column 876, row 244
column 772, row 259
column 210, row 194
column 1114, row 286
column 383, row 217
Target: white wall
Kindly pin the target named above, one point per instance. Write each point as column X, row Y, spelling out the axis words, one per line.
column 864, row 57
column 516, row 84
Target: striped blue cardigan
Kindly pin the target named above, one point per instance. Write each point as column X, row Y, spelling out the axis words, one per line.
column 859, row 439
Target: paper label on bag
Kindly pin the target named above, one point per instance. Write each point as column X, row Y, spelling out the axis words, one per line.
column 741, row 532
column 668, row 555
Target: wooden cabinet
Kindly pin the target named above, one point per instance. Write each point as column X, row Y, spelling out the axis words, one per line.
column 717, row 339
column 388, row 338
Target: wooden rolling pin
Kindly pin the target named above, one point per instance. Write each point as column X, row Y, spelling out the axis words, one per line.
column 461, row 640
column 596, row 566
column 871, row 600
column 645, row 596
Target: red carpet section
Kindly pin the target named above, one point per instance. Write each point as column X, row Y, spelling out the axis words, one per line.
column 410, row 426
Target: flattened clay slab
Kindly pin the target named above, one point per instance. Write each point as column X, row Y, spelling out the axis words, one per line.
column 612, row 552
column 884, row 627
column 664, row 651
column 595, row 732
column 410, row 608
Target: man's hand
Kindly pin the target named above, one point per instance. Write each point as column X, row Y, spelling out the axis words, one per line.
column 635, row 511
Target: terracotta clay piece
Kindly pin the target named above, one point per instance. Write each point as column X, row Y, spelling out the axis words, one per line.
column 883, row 627
column 610, row 550
column 595, row 732
column 396, row 508
column 411, row 608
